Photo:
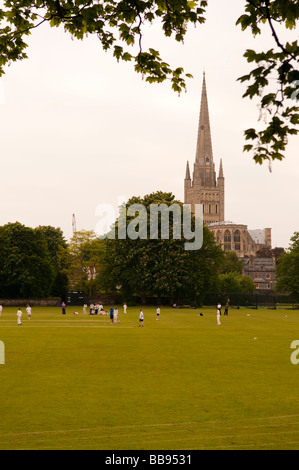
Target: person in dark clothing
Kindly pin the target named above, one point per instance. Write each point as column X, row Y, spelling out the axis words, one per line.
column 111, row 314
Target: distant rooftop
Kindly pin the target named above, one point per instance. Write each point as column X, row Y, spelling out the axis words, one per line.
column 224, row 222
column 260, row 264
column 258, row 236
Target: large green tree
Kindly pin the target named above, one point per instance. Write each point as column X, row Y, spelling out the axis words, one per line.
column 233, row 282
column 160, row 267
column 231, row 263
column 287, row 269
column 274, row 80
column 26, row 269
column 121, row 25
column 57, row 247
column 86, row 253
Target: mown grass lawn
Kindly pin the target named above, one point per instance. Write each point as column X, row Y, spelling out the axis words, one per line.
column 78, row 382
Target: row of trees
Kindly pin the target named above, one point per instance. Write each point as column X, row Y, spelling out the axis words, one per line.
column 39, row 262
column 32, row 261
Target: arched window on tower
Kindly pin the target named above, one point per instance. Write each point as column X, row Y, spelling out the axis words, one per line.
column 216, row 208
column 227, row 240
column 209, row 208
column 237, row 240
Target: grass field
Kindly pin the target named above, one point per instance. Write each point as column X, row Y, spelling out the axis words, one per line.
column 78, row 382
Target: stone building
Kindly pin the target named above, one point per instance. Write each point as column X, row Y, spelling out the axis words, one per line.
column 204, row 188
column 261, row 271
column 238, row 238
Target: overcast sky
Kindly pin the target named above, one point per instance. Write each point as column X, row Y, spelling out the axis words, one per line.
column 79, row 130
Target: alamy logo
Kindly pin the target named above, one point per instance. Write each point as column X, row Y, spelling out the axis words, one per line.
column 295, row 94
column 2, row 353
column 295, row 354
column 158, row 221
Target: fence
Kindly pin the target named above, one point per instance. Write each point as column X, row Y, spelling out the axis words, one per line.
column 250, row 300
column 253, row 300
column 32, row 302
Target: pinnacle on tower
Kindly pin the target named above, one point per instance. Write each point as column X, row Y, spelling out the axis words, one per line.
column 187, row 172
column 220, row 169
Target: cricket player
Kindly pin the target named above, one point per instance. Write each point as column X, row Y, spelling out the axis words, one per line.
column 28, row 310
column 218, row 313
column 19, row 315
column 158, row 313
column 141, row 318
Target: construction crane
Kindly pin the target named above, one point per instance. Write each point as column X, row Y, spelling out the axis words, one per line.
column 74, row 224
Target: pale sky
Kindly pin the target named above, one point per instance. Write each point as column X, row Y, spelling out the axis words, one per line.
column 79, row 130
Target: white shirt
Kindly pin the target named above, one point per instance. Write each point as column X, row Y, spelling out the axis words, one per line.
column 158, row 311
column 28, row 310
column 141, row 315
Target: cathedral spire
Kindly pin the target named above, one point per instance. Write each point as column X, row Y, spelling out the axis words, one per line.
column 204, row 142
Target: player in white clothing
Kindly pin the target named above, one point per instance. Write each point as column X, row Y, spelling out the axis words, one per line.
column 28, row 310
column 19, row 315
column 218, row 313
column 141, row 318
column 158, row 313
column 115, row 315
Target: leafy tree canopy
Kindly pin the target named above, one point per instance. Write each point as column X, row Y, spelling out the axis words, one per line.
column 233, row 282
column 231, row 263
column 86, row 253
column 120, row 27
column 160, row 267
column 287, row 270
column 57, row 247
column 26, row 269
column 274, row 78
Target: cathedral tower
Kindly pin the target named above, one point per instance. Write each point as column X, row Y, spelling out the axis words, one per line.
column 204, row 188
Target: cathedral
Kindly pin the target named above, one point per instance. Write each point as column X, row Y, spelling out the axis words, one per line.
column 209, row 190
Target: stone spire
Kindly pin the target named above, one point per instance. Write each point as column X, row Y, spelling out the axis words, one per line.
column 204, row 142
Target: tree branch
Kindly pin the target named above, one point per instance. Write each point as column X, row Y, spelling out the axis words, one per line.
column 274, row 34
